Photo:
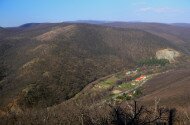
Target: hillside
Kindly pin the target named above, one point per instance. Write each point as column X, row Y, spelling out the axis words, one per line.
column 45, row 64
column 182, row 24
column 171, row 89
column 174, row 33
column 95, row 101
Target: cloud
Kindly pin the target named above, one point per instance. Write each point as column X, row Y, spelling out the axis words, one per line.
column 160, row 10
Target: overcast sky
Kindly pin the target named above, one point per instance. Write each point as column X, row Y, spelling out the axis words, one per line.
column 17, row 12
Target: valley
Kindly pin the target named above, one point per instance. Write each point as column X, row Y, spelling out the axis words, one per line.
column 60, row 73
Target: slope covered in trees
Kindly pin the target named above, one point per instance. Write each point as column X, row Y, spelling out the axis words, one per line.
column 176, row 34
column 49, row 63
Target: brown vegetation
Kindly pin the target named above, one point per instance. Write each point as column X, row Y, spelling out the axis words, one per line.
column 42, row 66
column 64, row 58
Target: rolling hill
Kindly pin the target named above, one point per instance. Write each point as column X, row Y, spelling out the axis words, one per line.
column 176, row 34
column 182, row 24
column 50, row 63
column 51, row 69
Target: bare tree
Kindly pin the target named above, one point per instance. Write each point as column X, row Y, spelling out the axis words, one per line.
column 143, row 116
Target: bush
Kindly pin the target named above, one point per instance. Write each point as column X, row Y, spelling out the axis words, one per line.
column 124, row 97
column 153, row 62
column 136, row 76
column 120, row 81
column 137, row 93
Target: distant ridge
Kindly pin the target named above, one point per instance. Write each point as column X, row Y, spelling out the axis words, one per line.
column 101, row 22
column 182, row 24
column 37, row 25
column 29, row 25
column 179, row 35
column 90, row 21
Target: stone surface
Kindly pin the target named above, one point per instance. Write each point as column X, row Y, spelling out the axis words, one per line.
column 169, row 54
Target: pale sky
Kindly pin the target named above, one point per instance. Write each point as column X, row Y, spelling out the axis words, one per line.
column 18, row 12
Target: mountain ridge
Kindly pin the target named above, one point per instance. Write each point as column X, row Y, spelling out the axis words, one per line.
column 101, row 50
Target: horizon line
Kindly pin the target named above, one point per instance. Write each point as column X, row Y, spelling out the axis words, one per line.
column 93, row 22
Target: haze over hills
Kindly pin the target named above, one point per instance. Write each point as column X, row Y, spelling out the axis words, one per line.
column 53, row 65
column 182, row 24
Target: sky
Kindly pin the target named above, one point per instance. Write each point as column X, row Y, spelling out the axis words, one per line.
column 18, row 12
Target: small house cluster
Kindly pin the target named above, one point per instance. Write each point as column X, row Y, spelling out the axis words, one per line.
column 142, row 77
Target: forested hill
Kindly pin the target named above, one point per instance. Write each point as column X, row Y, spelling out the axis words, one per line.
column 45, row 64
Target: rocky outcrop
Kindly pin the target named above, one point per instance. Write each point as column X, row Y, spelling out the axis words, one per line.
column 169, row 54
